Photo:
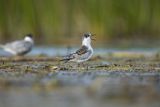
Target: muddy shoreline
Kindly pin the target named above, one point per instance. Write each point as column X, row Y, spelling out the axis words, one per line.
column 102, row 81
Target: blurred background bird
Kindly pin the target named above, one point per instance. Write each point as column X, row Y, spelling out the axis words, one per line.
column 19, row 47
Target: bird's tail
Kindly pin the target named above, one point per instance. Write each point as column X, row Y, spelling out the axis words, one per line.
column 67, row 58
column 64, row 60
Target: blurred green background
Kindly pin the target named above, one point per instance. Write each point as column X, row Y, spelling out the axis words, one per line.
column 61, row 21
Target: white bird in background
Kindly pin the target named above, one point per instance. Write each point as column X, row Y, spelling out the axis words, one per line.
column 19, row 47
column 84, row 53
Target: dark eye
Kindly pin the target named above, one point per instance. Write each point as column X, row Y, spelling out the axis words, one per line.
column 86, row 35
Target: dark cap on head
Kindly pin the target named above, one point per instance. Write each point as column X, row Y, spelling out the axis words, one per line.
column 86, row 35
column 30, row 35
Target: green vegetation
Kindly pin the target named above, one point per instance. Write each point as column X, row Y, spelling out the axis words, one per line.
column 108, row 19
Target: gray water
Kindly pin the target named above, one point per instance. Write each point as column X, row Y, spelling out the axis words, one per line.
column 54, row 51
column 88, row 89
column 76, row 88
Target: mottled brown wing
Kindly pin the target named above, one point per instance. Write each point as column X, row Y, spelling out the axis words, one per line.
column 82, row 50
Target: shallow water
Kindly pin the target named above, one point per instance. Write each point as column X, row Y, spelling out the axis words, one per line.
column 54, row 51
column 87, row 89
column 118, row 77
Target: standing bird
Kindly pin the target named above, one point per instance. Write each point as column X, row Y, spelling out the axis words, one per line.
column 84, row 53
column 19, row 47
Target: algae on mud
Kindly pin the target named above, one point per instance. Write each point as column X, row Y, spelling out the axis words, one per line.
column 103, row 80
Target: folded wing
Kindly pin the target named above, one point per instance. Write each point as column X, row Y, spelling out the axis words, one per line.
column 20, row 47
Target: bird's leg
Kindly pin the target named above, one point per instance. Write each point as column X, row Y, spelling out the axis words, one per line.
column 83, row 64
column 80, row 65
column 87, row 66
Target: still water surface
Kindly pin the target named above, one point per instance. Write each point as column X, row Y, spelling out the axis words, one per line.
column 80, row 89
column 54, row 51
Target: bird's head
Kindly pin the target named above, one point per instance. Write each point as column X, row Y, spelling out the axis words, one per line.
column 28, row 38
column 87, row 37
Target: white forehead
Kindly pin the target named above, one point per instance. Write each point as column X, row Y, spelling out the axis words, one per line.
column 27, row 38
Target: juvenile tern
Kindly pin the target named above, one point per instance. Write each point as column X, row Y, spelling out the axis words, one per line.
column 82, row 54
